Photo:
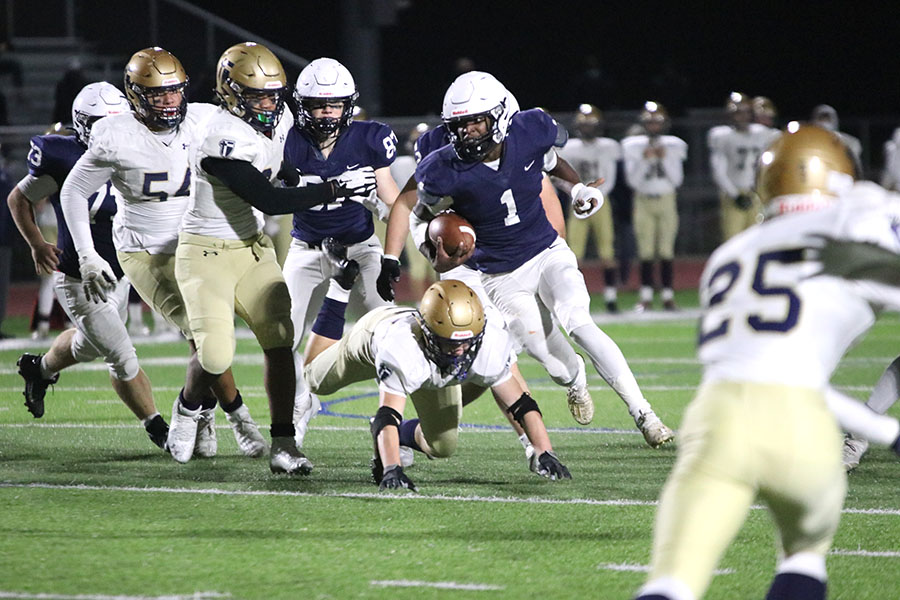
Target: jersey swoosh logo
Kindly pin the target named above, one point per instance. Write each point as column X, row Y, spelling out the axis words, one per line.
column 349, row 167
column 529, row 165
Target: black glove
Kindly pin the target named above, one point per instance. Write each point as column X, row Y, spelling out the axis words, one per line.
column 389, row 275
column 548, row 465
column 355, row 185
column 395, row 479
column 743, row 201
column 288, row 175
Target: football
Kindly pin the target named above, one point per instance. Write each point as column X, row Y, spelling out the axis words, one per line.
column 453, row 230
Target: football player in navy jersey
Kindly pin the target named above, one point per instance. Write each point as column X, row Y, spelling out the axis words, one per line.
column 580, row 403
column 326, row 142
column 99, row 326
column 490, row 174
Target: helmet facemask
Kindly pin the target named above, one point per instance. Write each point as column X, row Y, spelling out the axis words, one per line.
column 475, row 149
column 321, row 128
column 452, row 357
column 248, row 106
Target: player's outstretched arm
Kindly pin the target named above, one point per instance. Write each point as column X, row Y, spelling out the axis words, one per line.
column 525, row 410
column 245, row 180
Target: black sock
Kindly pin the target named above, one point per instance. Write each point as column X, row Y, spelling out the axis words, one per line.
column 187, row 405
column 209, row 401
column 666, row 273
column 794, row 586
column 234, row 404
column 281, row 430
column 408, row 434
column 609, row 277
column 647, row 273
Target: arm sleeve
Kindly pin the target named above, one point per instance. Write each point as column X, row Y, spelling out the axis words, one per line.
column 86, row 177
column 36, row 189
column 718, row 165
column 253, row 187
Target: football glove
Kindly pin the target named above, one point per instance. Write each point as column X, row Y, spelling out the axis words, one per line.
column 586, row 200
column 97, row 277
column 357, row 185
column 289, row 176
column 394, row 479
column 896, row 446
column 389, row 275
column 743, row 201
column 548, row 465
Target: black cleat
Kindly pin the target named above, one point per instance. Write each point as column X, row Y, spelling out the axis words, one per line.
column 612, row 307
column 377, row 469
column 35, row 384
column 158, row 431
column 346, row 271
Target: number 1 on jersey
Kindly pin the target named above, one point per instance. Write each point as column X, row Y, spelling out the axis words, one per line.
column 512, row 213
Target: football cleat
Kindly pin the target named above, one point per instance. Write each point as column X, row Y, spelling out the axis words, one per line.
column 35, row 384
column 407, row 456
column 669, row 305
column 612, row 307
column 377, row 469
column 182, row 432
column 655, row 432
column 206, row 444
column 157, row 430
column 246, row 433
column 579, row 399
column 286, row 458
column 642, row 307
column 854, row 448
column 346, row 271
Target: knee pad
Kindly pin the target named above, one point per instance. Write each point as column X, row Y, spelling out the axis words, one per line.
column 276, row 332
column 215, row 352
column 572, row 317
column 444, row 446
column 521, row 407
column 125, row 367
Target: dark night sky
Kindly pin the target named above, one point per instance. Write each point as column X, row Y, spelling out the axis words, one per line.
column 799, row 54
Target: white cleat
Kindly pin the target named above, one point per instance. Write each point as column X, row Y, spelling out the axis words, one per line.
column 286, row 458
column 655, row 431
column 206, row 444
column 303, row 413
column 580, row 404
column 854, row 448
column 246, row 433
column 182, row 432
column 407, row 456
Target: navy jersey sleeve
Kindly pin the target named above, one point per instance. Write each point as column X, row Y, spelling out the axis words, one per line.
column 542, row 128
column 381, row 144
column 52, row 155
column 433, row 175
column 430, row 141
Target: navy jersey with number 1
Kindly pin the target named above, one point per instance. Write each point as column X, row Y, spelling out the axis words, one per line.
column 361, row 144
column 55, row 155
column 504, row 204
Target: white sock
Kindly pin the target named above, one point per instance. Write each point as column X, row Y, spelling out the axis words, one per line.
column 336, row 292
column 45, row 372
column 146, row 420
column 646, row 293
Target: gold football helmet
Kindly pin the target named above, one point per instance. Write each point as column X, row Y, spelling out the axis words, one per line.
column 654, row 116
column 588, row 121
column 151, row 77
column 737, row 101
column 764, row 111
column 251, row 84
column 804, row 169
column 452, row 320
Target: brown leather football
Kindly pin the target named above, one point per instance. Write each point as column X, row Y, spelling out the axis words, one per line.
column 452, row 229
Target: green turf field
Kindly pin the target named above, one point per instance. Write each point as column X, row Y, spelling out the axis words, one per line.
column 89, row 509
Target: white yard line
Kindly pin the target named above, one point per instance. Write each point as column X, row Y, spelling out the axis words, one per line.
column 442, row 585
column 45, row 596
column 629, row 567
column 893, row 512
column 865, row 553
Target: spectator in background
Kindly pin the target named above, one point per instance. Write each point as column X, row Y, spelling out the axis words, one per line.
column 593, row 83
column 890, row 177
column 72, row 81
column 10, row 65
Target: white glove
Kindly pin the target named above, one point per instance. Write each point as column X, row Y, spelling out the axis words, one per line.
column 97, row 277
column 586, row 200
column 355, row 185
